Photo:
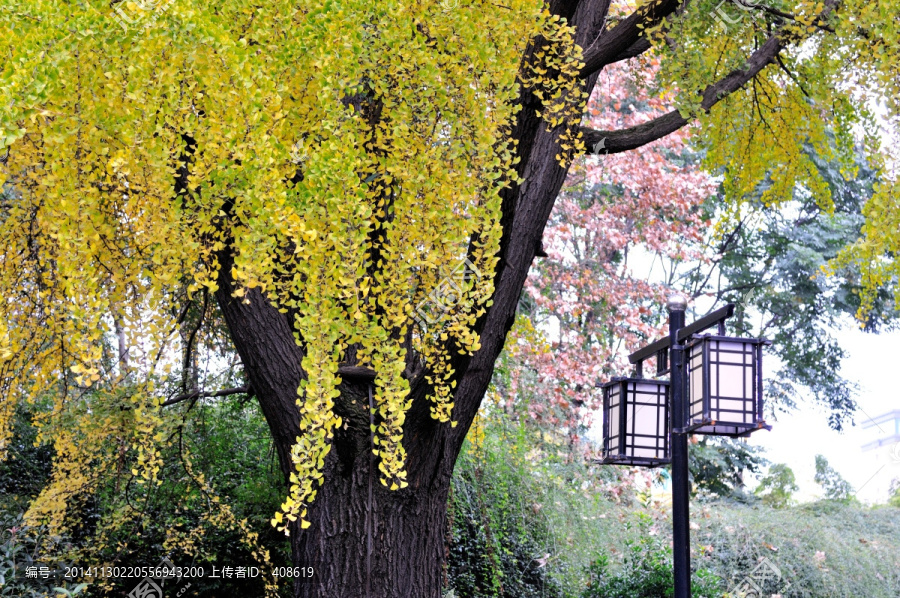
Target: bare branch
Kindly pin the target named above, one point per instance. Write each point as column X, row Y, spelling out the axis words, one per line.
column 196, row 394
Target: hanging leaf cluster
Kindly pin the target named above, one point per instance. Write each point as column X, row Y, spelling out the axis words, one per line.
column 343, row 159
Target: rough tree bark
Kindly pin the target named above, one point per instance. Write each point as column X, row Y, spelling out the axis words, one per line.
column 366, row 541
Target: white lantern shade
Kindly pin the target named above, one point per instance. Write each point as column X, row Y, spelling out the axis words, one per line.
column 724, row 380
column 636, row 422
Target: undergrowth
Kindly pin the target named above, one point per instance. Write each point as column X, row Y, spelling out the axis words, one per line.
column 531, row 516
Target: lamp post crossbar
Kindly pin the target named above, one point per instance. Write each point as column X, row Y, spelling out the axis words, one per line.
column 716, row 318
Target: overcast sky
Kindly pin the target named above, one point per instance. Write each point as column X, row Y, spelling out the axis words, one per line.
column 872, row 362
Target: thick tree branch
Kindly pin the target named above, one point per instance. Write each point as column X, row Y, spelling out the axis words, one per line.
column 356, row 373
column 196, row 394
column 635, row 49
column 615, row 44
column 623, row 140
column 590, row 20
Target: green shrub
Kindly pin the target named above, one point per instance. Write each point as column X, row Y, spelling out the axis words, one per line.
column 497, row 539
column 228, row 442
column 826, row 549
column 531, row 517
column 22, row 547
column 27, row 467
column 646, row 571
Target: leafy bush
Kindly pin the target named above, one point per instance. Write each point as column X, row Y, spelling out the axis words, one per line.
column 22, row 547
column 532, row 517
column 498, row 539
column 26, row 468
column 646, row 571
column 125, row 523
column 229, row 445
column 826, row 549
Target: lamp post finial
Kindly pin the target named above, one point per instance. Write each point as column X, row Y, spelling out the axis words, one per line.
column 677, row 302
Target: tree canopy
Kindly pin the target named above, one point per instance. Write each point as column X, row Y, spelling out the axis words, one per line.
column 345, row 185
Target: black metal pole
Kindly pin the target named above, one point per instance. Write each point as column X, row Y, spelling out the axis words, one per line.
column 681, row 533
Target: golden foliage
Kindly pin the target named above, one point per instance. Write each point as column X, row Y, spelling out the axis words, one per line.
column 348, row 159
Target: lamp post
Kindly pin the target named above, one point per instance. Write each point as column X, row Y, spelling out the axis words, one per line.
column 681, row 533
column 715, row 388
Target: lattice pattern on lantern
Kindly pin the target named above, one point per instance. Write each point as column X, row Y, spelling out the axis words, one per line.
column 725, row 389
column 635, row 422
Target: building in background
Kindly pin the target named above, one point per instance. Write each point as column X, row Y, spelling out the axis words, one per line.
column 882, row 448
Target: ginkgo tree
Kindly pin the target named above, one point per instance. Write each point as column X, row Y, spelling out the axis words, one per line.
column 361, row 187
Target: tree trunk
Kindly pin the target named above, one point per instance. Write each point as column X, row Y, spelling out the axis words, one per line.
column 364, row 540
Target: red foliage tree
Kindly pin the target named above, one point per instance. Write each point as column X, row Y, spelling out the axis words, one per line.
column 590, row 300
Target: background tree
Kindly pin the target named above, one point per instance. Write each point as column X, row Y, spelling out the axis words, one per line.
column 777, row 486
column 718, row 467
column 323, row 202
column 770, row 262
column 627, row 227
column 835, row 486
column 584, row 302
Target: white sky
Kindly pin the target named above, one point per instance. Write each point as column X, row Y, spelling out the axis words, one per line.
column 871, row 362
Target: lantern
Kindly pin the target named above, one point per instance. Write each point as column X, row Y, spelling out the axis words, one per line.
column 724, row 380
column 635, row 422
